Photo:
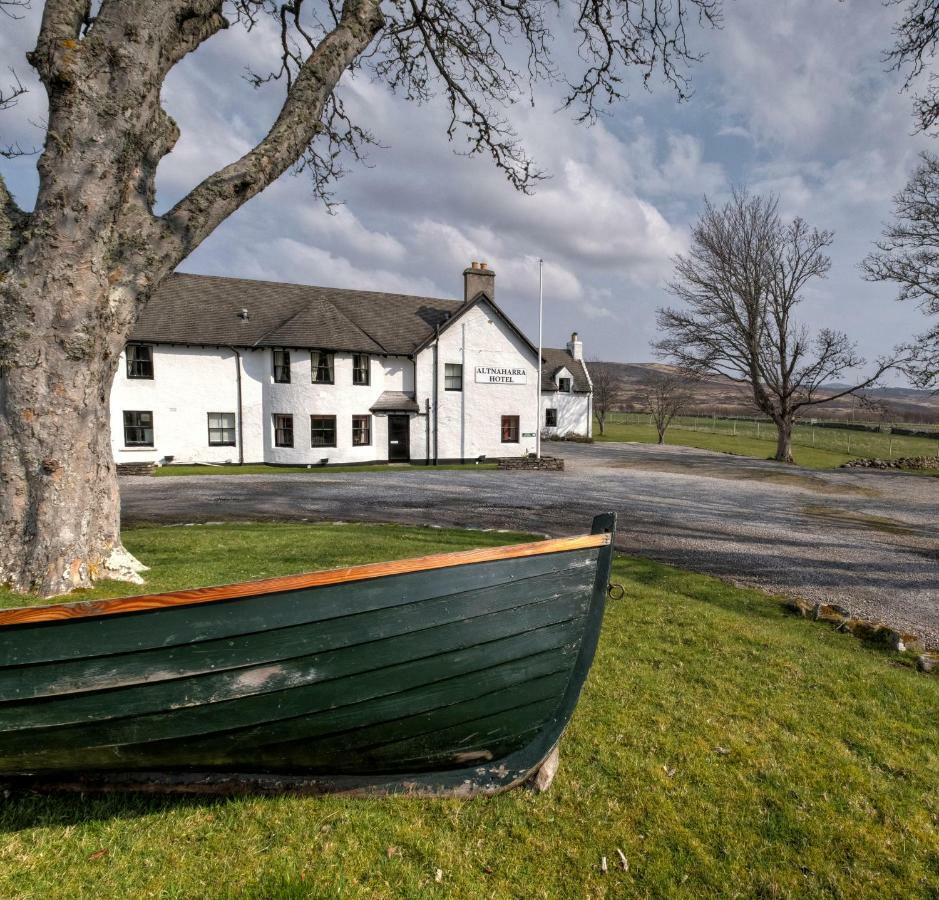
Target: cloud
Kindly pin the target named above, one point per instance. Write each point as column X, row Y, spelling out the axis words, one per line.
column 794, row 100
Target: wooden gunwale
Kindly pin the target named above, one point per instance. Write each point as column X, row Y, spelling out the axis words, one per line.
column 118, row 605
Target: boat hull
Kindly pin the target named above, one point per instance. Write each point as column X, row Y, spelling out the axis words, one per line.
column 447, row 678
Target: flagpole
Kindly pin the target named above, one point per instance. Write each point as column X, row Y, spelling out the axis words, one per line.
column 538, row 373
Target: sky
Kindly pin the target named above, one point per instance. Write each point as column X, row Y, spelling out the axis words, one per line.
column 792, row 97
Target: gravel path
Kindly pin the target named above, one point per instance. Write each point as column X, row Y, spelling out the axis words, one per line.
column 866, row 540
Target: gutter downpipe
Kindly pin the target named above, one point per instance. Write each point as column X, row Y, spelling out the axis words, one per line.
column 436, row 378
column 241, row 431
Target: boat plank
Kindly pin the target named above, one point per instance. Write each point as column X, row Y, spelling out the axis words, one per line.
column 271, row 678
column 230, row 747
column 344, row 744
column 479, row 741
column 393, row 680
column 76, row 639
column 72, row 677
column 345, row 575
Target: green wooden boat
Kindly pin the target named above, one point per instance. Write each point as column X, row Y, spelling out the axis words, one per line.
column 454, row 673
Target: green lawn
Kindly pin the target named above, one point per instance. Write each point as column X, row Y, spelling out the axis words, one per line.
column 812, row 447
column 261, row 469
column 726, row 748
column 721, row 442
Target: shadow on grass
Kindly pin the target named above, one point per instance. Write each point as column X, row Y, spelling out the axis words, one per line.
column 24, row 808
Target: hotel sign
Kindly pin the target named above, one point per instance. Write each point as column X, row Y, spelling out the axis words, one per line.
column 500, row 375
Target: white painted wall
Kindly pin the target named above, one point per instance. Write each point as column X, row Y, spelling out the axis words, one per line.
column 190, row 382
column 342, row 399
column 470, row 421
column 573, row 413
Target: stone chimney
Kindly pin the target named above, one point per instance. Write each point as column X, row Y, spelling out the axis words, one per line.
column 575, row 346
column 478, row 278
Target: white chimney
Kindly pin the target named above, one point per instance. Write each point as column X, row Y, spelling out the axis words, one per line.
column 575, row 346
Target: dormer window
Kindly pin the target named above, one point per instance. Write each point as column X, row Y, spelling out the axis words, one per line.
column 139, row 361
column 564, row 385
column 321, row 367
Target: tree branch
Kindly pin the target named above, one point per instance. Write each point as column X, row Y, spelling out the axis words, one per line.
column 62, row 22
column 218, row 196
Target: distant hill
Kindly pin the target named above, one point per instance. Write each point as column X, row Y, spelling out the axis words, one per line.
column 721, row 396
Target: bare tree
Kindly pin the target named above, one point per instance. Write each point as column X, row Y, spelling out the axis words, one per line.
column 909, row 256
column 665, row 395
column 916, row 35
column 606, row 385
column 741, row 282
column 76, row 270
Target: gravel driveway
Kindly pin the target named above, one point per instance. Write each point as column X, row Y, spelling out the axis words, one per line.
column 866, row 540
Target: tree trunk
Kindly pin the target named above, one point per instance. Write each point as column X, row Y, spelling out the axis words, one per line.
column 600, row 420
column 784, row 441
column 75, row 271
column 60, row 528
column 661, row 432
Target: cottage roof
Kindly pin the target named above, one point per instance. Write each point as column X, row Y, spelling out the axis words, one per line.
column 206, row 309
column 241, row 312
column 555, row 359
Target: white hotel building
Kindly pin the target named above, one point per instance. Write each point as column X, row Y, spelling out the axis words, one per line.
column 223, row 370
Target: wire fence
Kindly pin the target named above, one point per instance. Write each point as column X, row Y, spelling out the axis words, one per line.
column 854, row 439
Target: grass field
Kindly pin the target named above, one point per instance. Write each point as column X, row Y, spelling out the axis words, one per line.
column 815, row 448
column 260, row 469
column 724, row 747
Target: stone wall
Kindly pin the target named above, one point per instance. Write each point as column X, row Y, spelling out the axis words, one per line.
column 920, row 463
column 545, row 464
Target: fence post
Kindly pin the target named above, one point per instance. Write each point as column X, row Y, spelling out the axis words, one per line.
column 891, row 448
column 813, row 435
column 757, row 429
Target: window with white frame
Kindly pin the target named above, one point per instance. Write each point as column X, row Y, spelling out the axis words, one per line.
column 360, row 368
column 321, row 367
column 221, row 429
column 282, row 366
column 453, row 377
column 322, row 431
column 139, row 361
column 361, row 431
column 138, row 428
column 510, row 429
column 564, row 385
column 283, row 430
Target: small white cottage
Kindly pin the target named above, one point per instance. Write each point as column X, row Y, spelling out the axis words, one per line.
column 223, row 370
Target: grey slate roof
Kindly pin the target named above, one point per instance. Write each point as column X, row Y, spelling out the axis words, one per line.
column 204, row 309
column 396, row 401
column 555, row 359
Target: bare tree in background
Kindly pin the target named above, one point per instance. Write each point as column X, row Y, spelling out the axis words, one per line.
column 908, row 255
column 606, row 390
column 665, row 395
column 76, row 269
column 740, row 284
column 916, row 35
